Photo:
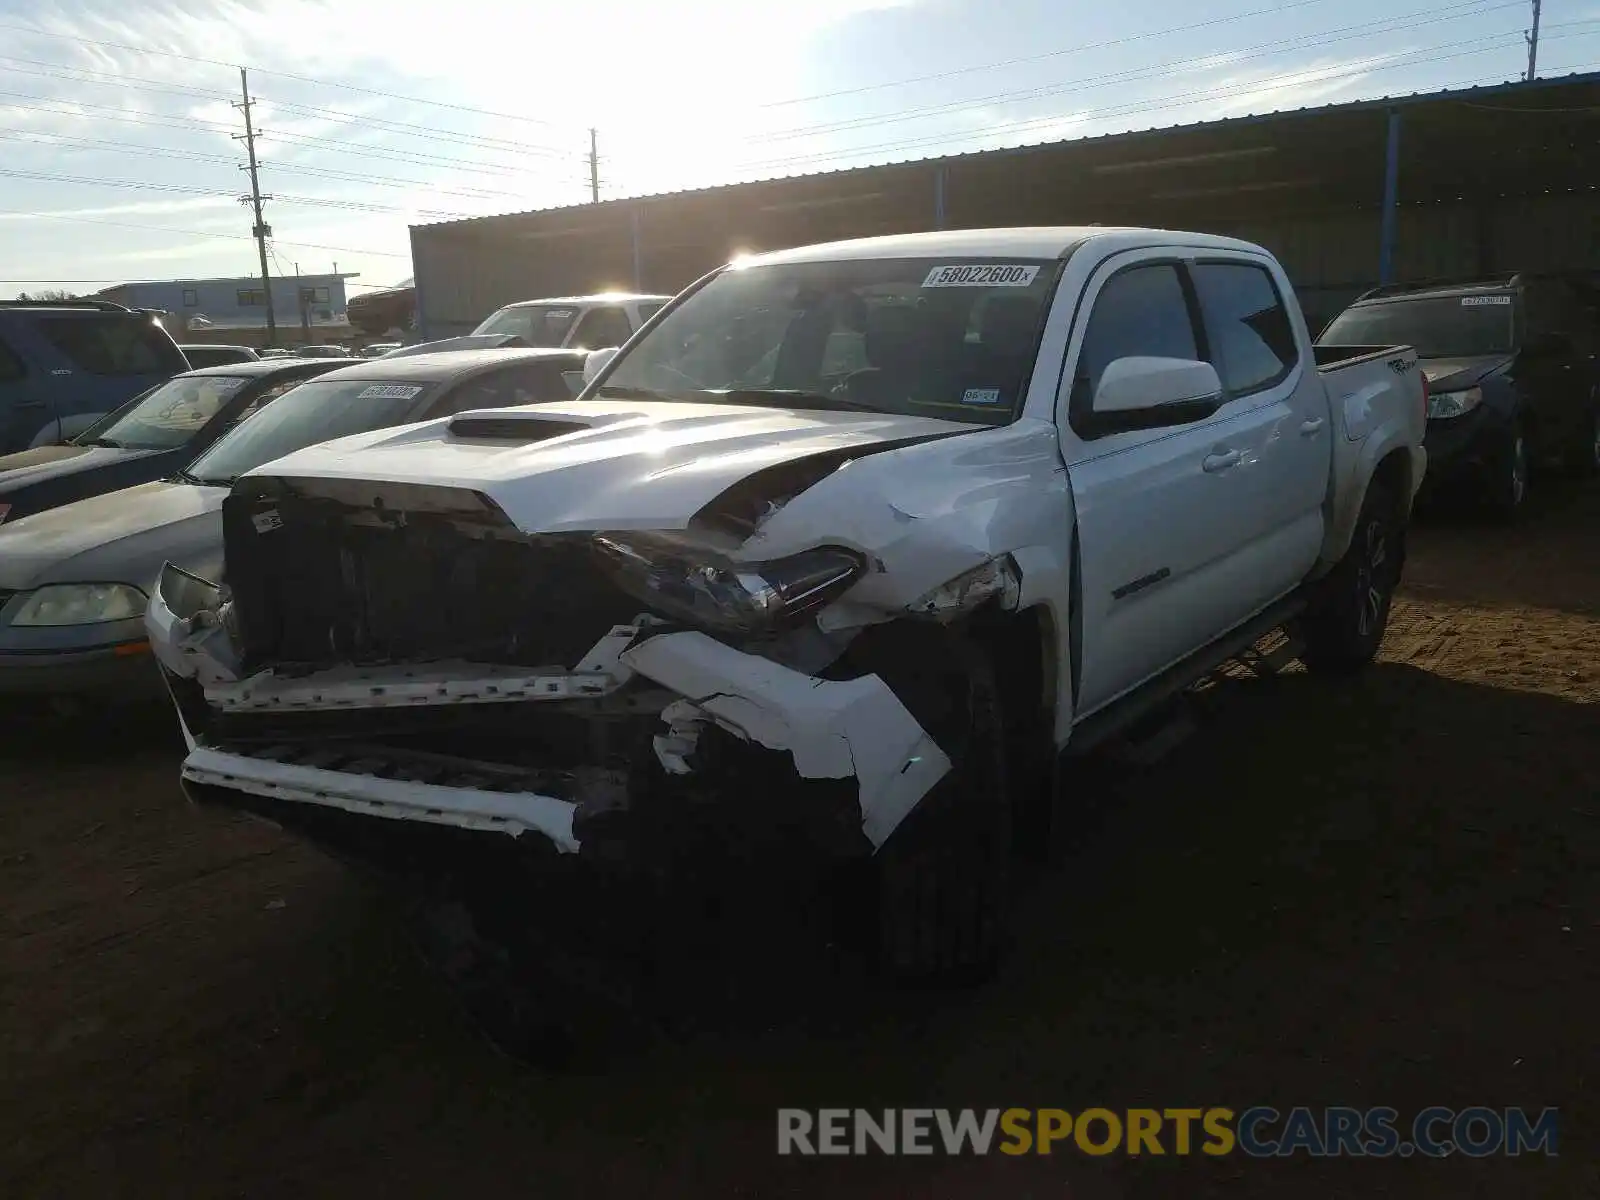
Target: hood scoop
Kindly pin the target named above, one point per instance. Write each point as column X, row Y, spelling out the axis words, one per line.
column 521, row 430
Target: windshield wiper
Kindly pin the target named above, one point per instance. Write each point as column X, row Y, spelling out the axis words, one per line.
column 623, row 392
column 202, row 481
column 793, row 398
column 102, row 441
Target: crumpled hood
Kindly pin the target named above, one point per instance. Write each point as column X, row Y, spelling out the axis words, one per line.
column 121, row 537
column 46, row 462
column 1453, row 374
column 602, row 464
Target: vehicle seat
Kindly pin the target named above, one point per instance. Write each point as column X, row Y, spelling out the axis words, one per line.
column 893, row 345
column 1006, row 334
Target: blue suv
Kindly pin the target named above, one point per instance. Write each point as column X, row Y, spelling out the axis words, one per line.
column 65, row 364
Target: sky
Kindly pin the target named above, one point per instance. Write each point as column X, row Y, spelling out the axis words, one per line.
column 119, row 159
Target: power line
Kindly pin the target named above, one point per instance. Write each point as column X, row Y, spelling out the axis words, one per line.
column 185, row 190
column 429, row 132
column 193, row 233
column 136, row 83
column 333, row 83
column 1306, row 41
column 1043, row 57
column 1176, row 100
column 99, row 145
column 190, row 125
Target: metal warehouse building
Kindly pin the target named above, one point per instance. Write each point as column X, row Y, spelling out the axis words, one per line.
column 1490, row 179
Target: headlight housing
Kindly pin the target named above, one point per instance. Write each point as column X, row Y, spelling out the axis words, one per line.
column 1442, row 406
column 80, row 604
column 697, row 585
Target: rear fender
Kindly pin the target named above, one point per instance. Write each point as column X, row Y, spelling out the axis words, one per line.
column 1355, row 475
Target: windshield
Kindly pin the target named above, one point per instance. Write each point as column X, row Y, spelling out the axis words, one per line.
column 934, row 337
column 169, row 415
column 314, row 412
column 928, row 336
column 1434, row 326
column 535, row 324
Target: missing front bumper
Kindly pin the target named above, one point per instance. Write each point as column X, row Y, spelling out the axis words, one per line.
column 808, row 736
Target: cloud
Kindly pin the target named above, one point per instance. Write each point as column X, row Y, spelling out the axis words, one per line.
column 1276, row 90
column 208, row 249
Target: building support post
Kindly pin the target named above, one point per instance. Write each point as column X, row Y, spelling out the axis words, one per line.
column 419, row 329
column 1391, row 200
column 938, row 196
column 638, row 251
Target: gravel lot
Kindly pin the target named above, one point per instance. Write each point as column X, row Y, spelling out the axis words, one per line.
column 1385, row 892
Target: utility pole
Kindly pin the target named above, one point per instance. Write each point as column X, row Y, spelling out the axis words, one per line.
column 1532, row 38
column 261, row 231
column 305, row 309
column 594, row 167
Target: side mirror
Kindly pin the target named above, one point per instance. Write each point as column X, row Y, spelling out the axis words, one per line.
column 1150, row 393
column 596, row 362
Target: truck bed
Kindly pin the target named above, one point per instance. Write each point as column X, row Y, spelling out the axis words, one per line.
column 1329, row 358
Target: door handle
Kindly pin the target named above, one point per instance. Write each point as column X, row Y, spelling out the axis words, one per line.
column 1311, row 426
column 1212, row 463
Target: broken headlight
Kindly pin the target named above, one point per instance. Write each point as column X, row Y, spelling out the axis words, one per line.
column 696, row 585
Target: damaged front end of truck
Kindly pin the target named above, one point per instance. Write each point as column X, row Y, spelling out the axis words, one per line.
column 402, row 674
column 409, row 659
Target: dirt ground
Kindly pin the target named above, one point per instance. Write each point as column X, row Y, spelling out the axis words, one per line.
column 1378, row 892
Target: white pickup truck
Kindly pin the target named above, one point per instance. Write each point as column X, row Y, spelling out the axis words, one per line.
column 563, row 322
column 835, row 559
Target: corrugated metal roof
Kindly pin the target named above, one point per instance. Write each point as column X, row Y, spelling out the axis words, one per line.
column 1476, row 92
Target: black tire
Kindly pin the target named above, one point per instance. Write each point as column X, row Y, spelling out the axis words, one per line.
column 1350, row 611
column 1584, row 458
column 944, row 874
column 1506, row 487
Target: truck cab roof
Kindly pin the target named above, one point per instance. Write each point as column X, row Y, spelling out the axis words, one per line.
column 1049, row 241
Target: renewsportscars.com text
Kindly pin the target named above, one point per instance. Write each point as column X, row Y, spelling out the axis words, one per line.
column 1259, row 1132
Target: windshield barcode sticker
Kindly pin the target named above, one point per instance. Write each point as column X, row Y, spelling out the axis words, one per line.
column 981, row 275
column 388, row 391
column 1473, row 301
column 266, row 522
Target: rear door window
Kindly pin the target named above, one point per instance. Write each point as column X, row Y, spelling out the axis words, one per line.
column 1252, row 340
column 602, row 327
column 113, row 346
column 505, row 388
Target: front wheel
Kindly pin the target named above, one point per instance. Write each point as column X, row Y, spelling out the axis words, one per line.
column 1347, row 619
column 944, row 872
column 1508, row 472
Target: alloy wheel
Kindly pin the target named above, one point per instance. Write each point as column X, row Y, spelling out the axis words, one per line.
column 1372, row 579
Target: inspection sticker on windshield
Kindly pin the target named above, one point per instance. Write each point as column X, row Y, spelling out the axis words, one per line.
column 266, row 522
column 981, row 396
column 1471, row 301
column 981, row 275
column 388, row 391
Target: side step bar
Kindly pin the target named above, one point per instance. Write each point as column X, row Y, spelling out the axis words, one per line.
column 1119, row 715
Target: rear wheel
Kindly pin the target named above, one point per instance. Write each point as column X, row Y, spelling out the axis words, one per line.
column 1346, row 622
